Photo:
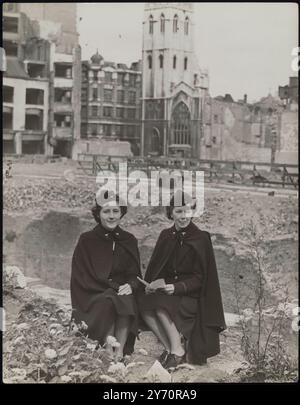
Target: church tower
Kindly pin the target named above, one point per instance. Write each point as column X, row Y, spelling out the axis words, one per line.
column 172, row 81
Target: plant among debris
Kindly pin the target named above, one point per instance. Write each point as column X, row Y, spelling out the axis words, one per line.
column 42, row 346
column 264, row 327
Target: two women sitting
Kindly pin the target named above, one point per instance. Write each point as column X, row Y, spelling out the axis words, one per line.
column 179, row 299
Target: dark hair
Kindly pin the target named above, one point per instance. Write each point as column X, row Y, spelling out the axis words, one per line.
column 97, row 207
column 179, row 199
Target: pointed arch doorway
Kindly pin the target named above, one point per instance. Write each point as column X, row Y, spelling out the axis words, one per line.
column 155, row 144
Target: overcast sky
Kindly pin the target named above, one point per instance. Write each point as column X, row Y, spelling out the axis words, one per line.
column 245, row 46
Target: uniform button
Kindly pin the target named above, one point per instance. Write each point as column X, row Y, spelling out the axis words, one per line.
column 110, row 279
column 176, row 277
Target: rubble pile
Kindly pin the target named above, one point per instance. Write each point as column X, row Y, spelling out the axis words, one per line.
column 224, row 212
column 43, row 194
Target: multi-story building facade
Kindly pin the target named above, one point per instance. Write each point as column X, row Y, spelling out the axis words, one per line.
column 110, row 104
column 41, row 85
column 25, row 85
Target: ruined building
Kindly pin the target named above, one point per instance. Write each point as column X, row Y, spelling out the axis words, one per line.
column 264, row 131
column 288, row 141
column 41, row 84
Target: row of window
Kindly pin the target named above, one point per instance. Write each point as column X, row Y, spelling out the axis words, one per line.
column 33, row 96
column 161, row 62
column 163, row 24
column 108, row 95
column 33, row 122
column 121, row 131
column 36, row 96
column 108, row 77
column 108, row 112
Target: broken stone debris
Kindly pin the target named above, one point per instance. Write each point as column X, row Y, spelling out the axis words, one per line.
column 14, row 277
column 158, row 374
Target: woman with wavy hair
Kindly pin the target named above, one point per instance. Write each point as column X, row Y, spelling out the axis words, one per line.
column 105, row 267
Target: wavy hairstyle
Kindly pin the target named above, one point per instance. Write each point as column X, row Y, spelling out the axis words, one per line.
column 98, row 207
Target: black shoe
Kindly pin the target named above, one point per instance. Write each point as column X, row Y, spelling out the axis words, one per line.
column 173, row 360
column 163, row 357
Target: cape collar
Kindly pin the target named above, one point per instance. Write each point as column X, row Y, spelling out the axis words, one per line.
column 116, row 234
column 186, row 233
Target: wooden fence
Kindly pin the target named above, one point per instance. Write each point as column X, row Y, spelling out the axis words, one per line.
column 237, row 172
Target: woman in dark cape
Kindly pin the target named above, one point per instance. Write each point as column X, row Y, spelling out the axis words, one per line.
column 188, row 308
column 105, row 267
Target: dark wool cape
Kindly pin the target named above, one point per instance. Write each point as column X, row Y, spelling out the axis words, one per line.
column 204, row 341
column 91, row 286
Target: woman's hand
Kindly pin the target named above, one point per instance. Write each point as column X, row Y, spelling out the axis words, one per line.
column 125, row 289
column 169, row 289
column 149, row 290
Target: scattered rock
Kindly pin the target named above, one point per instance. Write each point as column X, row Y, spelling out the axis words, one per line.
column 14, row 277
column 143, row 352
column 158, row 374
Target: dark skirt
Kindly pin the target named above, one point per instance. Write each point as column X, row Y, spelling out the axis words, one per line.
column 181, row 309
column 103, row 311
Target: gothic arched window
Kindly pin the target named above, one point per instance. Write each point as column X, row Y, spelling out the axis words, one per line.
column 186, row 26
column 151, row 22
column 150, row 62
column 161, row 61
column 162, row 23
column 185, row 63
column 181, row 125
column 174, row 61
column 175, row 23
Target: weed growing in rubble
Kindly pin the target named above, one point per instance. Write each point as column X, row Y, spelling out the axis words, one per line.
column 42, row 346
column 264, row 327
